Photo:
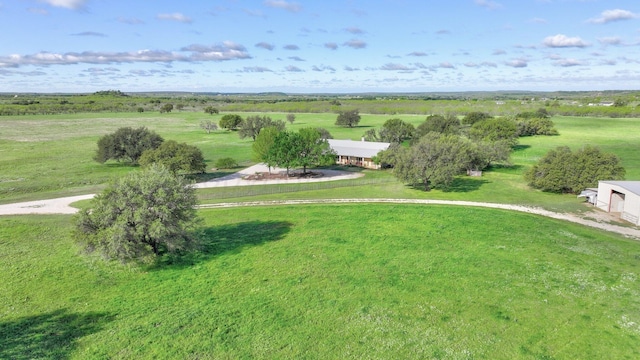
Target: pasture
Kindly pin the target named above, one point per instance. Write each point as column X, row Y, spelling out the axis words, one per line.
column 51, row 156
column 318, row 281
column 330, row 281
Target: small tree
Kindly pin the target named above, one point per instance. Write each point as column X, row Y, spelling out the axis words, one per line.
column 140, row 217
column 313, row 150
column 252, row 125
column 211, row 110
column 564, row 171
column 396, row 131
column 495, row 129
column 432, row 162
column 449, row 124
column 166, row 108
column 263, row 144
column 349, row 118
column 126, row 144
column 226, row 163
column 291, row 118
column 208, row 126
column 230, row 121
column 175, row 157
column 475, row 116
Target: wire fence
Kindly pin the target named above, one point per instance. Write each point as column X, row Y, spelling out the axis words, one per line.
column 257, row 190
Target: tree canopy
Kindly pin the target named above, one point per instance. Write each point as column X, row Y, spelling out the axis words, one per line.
column 252, row 125
column 433, row 161
column 126, row 144
column 208, row 126
column 449, row 124
column 230, row 121
column 263, row 144
column 175, row 157
column 348, row 118
column 392, row 131
column 475, row 116
column 564, row 171
column 304, row 148
column 140, row 217
column 211, row 110
column 495, row 129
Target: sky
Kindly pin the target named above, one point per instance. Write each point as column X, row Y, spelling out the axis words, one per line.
column 329, row 46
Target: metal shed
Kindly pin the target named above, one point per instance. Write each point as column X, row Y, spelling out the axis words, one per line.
column 621, row 197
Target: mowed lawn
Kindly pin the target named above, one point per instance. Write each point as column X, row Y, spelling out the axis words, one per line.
column 329, row 282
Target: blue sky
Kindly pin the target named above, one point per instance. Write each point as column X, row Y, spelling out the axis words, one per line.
column 319, row 46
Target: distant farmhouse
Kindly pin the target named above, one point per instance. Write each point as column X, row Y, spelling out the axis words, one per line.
column 357, row 153
column 621, row 197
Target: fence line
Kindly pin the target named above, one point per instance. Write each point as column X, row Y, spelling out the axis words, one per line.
column 257, row 190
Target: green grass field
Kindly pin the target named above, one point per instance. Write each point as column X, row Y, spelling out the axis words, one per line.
column 51, row 156
column 330, row 282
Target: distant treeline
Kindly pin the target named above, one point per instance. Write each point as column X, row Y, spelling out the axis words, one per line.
column 597, row 104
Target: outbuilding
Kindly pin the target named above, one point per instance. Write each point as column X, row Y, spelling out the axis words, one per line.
column 357, row 153
column 620, row 197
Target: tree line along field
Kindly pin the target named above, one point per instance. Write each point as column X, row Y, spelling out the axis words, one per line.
column 329, row 281
column 600, row 104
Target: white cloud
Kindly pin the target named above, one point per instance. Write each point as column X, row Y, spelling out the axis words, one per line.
column 446, row 65
column 255, row 69
column 560, row 40
column 323, row 68
column 498, row 52
column 90, row 33
column 396, row 67
column 331, row 45
column 613, row 15
column 356, row 44
column 354, row 30
column 292, row 68
column 281, row 4
column 221, row 52
column 265, row 45
column 291, row 47
column 613, row 40
column 68, row 4
column 175, row 17
column 417, row 53
column 492, row 5
column 296, row 58
column 517, row 63
column 568, row 62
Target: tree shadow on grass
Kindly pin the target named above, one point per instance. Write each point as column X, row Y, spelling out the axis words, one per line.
column 520, row 147
column 459, row 184
column 465, row 184
column 231, row 238
column 48, row 336
column 211, row 175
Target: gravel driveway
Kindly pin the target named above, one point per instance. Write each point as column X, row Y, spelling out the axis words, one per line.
column 61, row 205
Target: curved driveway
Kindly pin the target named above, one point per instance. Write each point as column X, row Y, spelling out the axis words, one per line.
column 62, row 205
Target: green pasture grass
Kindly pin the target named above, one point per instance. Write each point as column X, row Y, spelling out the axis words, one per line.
column 50, row 156
column 330, row 282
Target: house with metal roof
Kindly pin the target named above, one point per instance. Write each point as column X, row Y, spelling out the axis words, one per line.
column 357, row 153
column 620, row 197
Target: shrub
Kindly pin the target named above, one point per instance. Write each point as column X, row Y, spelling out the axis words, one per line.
column 226, row 163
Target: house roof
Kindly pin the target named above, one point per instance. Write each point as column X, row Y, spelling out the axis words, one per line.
column 364, row 149
column 633, row 186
